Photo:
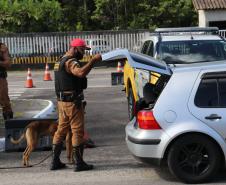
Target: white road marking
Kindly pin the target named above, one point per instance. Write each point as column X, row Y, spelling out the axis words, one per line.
column 14, row 91
column 98, row 78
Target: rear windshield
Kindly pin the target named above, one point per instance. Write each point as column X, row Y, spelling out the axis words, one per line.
column 179, row 52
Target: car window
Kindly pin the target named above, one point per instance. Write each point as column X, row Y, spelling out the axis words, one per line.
column 211, row 93
column 192, row 51
column 222, row 91
column 145, row 47
column 150, row 49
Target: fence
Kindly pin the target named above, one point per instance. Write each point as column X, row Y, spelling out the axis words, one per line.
column 35, row 48
column 46, row 47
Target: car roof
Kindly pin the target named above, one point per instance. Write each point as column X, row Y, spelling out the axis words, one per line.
column 221, row 65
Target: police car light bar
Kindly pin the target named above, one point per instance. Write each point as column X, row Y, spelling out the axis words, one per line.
column 187, row 29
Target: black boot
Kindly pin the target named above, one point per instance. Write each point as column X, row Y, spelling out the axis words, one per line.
column 8, row 115
column 56, row 163
column 80, row 165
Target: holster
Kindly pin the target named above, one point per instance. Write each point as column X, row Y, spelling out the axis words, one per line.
column 84, row 83
column 78, row 101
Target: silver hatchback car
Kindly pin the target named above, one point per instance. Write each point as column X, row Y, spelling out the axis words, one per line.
column 181, row 119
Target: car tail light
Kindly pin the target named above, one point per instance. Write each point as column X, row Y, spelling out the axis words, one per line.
column 146, row 120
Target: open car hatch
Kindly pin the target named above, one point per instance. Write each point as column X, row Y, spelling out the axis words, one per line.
column 138, row 60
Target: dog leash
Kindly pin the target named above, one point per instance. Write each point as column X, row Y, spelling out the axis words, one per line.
column 36, row 164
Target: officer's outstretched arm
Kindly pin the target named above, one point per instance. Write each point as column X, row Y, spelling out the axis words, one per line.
column 83, row 71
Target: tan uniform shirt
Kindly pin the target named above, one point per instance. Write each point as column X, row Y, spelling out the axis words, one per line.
column 69, row 115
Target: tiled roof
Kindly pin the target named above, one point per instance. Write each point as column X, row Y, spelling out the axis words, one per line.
column 209, row 4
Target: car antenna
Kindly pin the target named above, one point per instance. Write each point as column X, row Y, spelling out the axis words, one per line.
column 159, row 37
column 192, row 38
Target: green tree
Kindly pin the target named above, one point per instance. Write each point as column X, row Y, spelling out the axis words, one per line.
column 29, row 16
column 144, row 14
column 174, row 13
column 77, row 15
column 111, row 14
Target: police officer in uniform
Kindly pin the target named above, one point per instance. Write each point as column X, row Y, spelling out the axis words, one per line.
column 70, row 81
column 5, row 63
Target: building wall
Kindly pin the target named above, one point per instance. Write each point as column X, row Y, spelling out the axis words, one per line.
column 206, row 16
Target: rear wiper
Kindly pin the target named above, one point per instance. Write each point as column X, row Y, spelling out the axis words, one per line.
column 183, row 62
column 202, row 61
column 176, row 62
column 169, row 60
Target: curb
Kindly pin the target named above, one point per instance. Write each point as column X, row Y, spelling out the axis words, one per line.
column 46, row 111
column 43, row 113
column 31, row 108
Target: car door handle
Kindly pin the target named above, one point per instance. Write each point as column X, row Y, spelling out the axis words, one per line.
column 213, row 117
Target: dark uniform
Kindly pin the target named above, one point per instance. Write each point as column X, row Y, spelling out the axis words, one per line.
column 4, row 97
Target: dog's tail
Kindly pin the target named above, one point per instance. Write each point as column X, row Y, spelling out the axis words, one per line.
column 18, row 140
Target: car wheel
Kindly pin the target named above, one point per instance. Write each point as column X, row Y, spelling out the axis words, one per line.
column 131, row 104
column 194, row 158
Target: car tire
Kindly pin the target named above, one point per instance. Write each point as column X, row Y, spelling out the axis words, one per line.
column 131, row 104
column 194, row 158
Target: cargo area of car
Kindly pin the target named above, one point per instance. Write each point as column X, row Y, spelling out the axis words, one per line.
column 151, row 92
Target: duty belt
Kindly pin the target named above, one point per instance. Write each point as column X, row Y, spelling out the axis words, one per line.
column 69, row 97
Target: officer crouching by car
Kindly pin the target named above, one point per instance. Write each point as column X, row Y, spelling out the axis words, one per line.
column 70, row 81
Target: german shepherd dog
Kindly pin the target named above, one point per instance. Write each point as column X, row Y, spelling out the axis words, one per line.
column 34, row 131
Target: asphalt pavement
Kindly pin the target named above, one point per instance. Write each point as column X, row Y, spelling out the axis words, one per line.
column 106, row 117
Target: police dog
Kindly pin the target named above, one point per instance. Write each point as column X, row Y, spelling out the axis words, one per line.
column 34, row 131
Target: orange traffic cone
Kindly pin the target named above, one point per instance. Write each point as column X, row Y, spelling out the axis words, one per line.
column 29, row 82
column 47, row 76
column 119, row 67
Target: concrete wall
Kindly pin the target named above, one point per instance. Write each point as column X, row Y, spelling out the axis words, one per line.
column 206, row 16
